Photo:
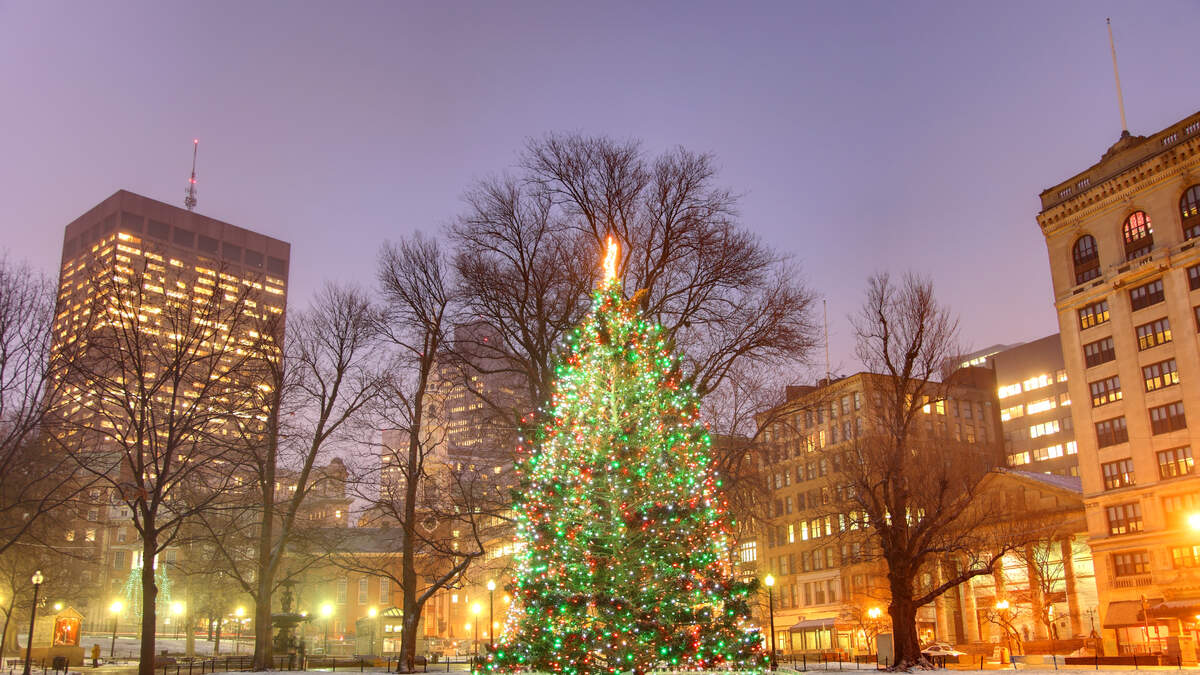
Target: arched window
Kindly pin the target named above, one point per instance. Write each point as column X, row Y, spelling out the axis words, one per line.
column 1189, row 208
column 1087, row 259
column 1138, row 234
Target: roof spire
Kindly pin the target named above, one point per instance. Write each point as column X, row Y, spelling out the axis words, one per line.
column 189, row 199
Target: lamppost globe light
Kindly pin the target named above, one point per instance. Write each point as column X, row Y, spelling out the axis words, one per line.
column 58, row 606
column 117, row 606
column 177, row 608
column 874, row 612
column 372, row 612
column 1002, row 605
column 467, row 626
column 37, row 578
column 327, row 610
column 239, row 612
column 769, row 581
column 476, row 609
column 491, row 585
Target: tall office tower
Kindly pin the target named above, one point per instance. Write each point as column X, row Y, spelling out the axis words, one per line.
column 157, row 311
column 1031, row 388
column 1121, row 238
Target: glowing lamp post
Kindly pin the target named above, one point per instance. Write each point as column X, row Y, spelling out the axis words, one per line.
column 476, row 610
column 116, row 608
column 177, row 612
column 237, row 638
column 770, row 582
column 1002, row 611
column 491, row 586
column 327, row 611
column 37, row 580
column 372, row 613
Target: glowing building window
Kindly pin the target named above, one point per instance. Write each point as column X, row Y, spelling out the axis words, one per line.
column 1153, row 334
column 1044, row 429
column 1040, row 406
column 1006, row 391
column 1138, row 235
column 1175, row 462
column 1036, row 382
column 1105, row 391
column 1159, row 375
column 1007, row 414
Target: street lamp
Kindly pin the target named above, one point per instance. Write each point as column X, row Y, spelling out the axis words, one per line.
column 770, row 582
column 237, row 639
column 491, row 586
column 37, row 580
column 58, row 606
column 1001, row 610
column 177, row 612
column 373, row 612
column 116, row 608
column 327, row 611
column 476, row 609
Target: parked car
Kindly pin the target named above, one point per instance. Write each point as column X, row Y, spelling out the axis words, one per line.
column 941, row 649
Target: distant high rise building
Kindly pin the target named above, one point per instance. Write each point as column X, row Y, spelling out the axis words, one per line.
column 177, row 259
column 1121, row 238
column 1034, row 400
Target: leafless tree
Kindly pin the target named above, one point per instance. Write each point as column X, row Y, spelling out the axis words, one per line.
column 528, row 249
column 918, row 496
column 151, row 395
column 433, row 502
column 321, row 389
column 34, row 482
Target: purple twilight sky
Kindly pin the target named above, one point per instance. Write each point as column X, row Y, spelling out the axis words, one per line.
column 863, row 136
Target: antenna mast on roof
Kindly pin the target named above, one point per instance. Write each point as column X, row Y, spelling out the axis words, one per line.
column 189, row 199
column 825, row 313
column 1120, row 99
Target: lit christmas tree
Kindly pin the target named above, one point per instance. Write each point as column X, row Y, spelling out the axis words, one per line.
column 625, row 560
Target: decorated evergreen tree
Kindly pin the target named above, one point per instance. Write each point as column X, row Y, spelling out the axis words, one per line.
column 625, row 558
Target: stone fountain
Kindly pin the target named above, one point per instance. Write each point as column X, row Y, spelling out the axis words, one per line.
column 286, row 621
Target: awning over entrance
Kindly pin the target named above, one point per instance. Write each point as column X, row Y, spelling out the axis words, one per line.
column 812, row 624
column 1181, row 608
column 1128, row 612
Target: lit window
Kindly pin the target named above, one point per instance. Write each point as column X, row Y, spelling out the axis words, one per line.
column 1138, row 235
column 1043, row 429
column 1175, row 462
column 1159, row 375
column 1005, row 392
column 1124, row 518
column 1105, row 391
column 1036, row 382
column 1039, row 406
column 1153, row 334
column 1093, row 315
column 1117, row 474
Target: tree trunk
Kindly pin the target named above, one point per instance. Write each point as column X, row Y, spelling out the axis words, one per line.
column 149, row 599
column 905, row 643
column 4, row 635
column 263, row 646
